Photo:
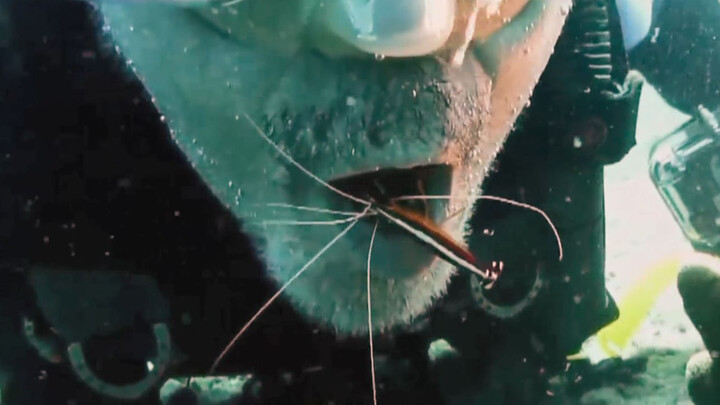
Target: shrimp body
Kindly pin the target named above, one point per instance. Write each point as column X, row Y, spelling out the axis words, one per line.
column 430, row 234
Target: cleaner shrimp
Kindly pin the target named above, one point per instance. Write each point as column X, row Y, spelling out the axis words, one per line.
column 420, row 227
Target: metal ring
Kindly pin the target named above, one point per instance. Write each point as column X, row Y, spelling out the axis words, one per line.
column 160, row 362
column 47, row 347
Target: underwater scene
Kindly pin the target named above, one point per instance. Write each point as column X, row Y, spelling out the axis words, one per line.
column 371, row 202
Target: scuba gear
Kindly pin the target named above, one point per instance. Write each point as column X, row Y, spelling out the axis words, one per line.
column 685, row 168
column 589, row 123
column 392, row 27
column 582, row 116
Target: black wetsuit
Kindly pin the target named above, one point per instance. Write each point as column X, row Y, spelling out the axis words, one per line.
column 554, row 160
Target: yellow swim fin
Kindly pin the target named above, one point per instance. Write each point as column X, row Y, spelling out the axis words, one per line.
column 634, row 308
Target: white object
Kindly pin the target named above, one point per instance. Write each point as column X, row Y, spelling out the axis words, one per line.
column 635, row 19
column 395, row 28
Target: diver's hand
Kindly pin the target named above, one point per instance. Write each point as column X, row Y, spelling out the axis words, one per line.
column 699, row 286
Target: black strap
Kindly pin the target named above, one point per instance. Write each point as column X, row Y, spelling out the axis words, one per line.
column 587, row 97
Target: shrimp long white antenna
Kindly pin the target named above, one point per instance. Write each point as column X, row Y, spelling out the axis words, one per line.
column 369, row 309
column 302, row 223
column 299, row 166
column 312, row 209
column 276, row 295
column 231, row 3
column 500, row 199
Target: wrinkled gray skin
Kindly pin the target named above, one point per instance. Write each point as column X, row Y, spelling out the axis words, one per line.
column 337, row 111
